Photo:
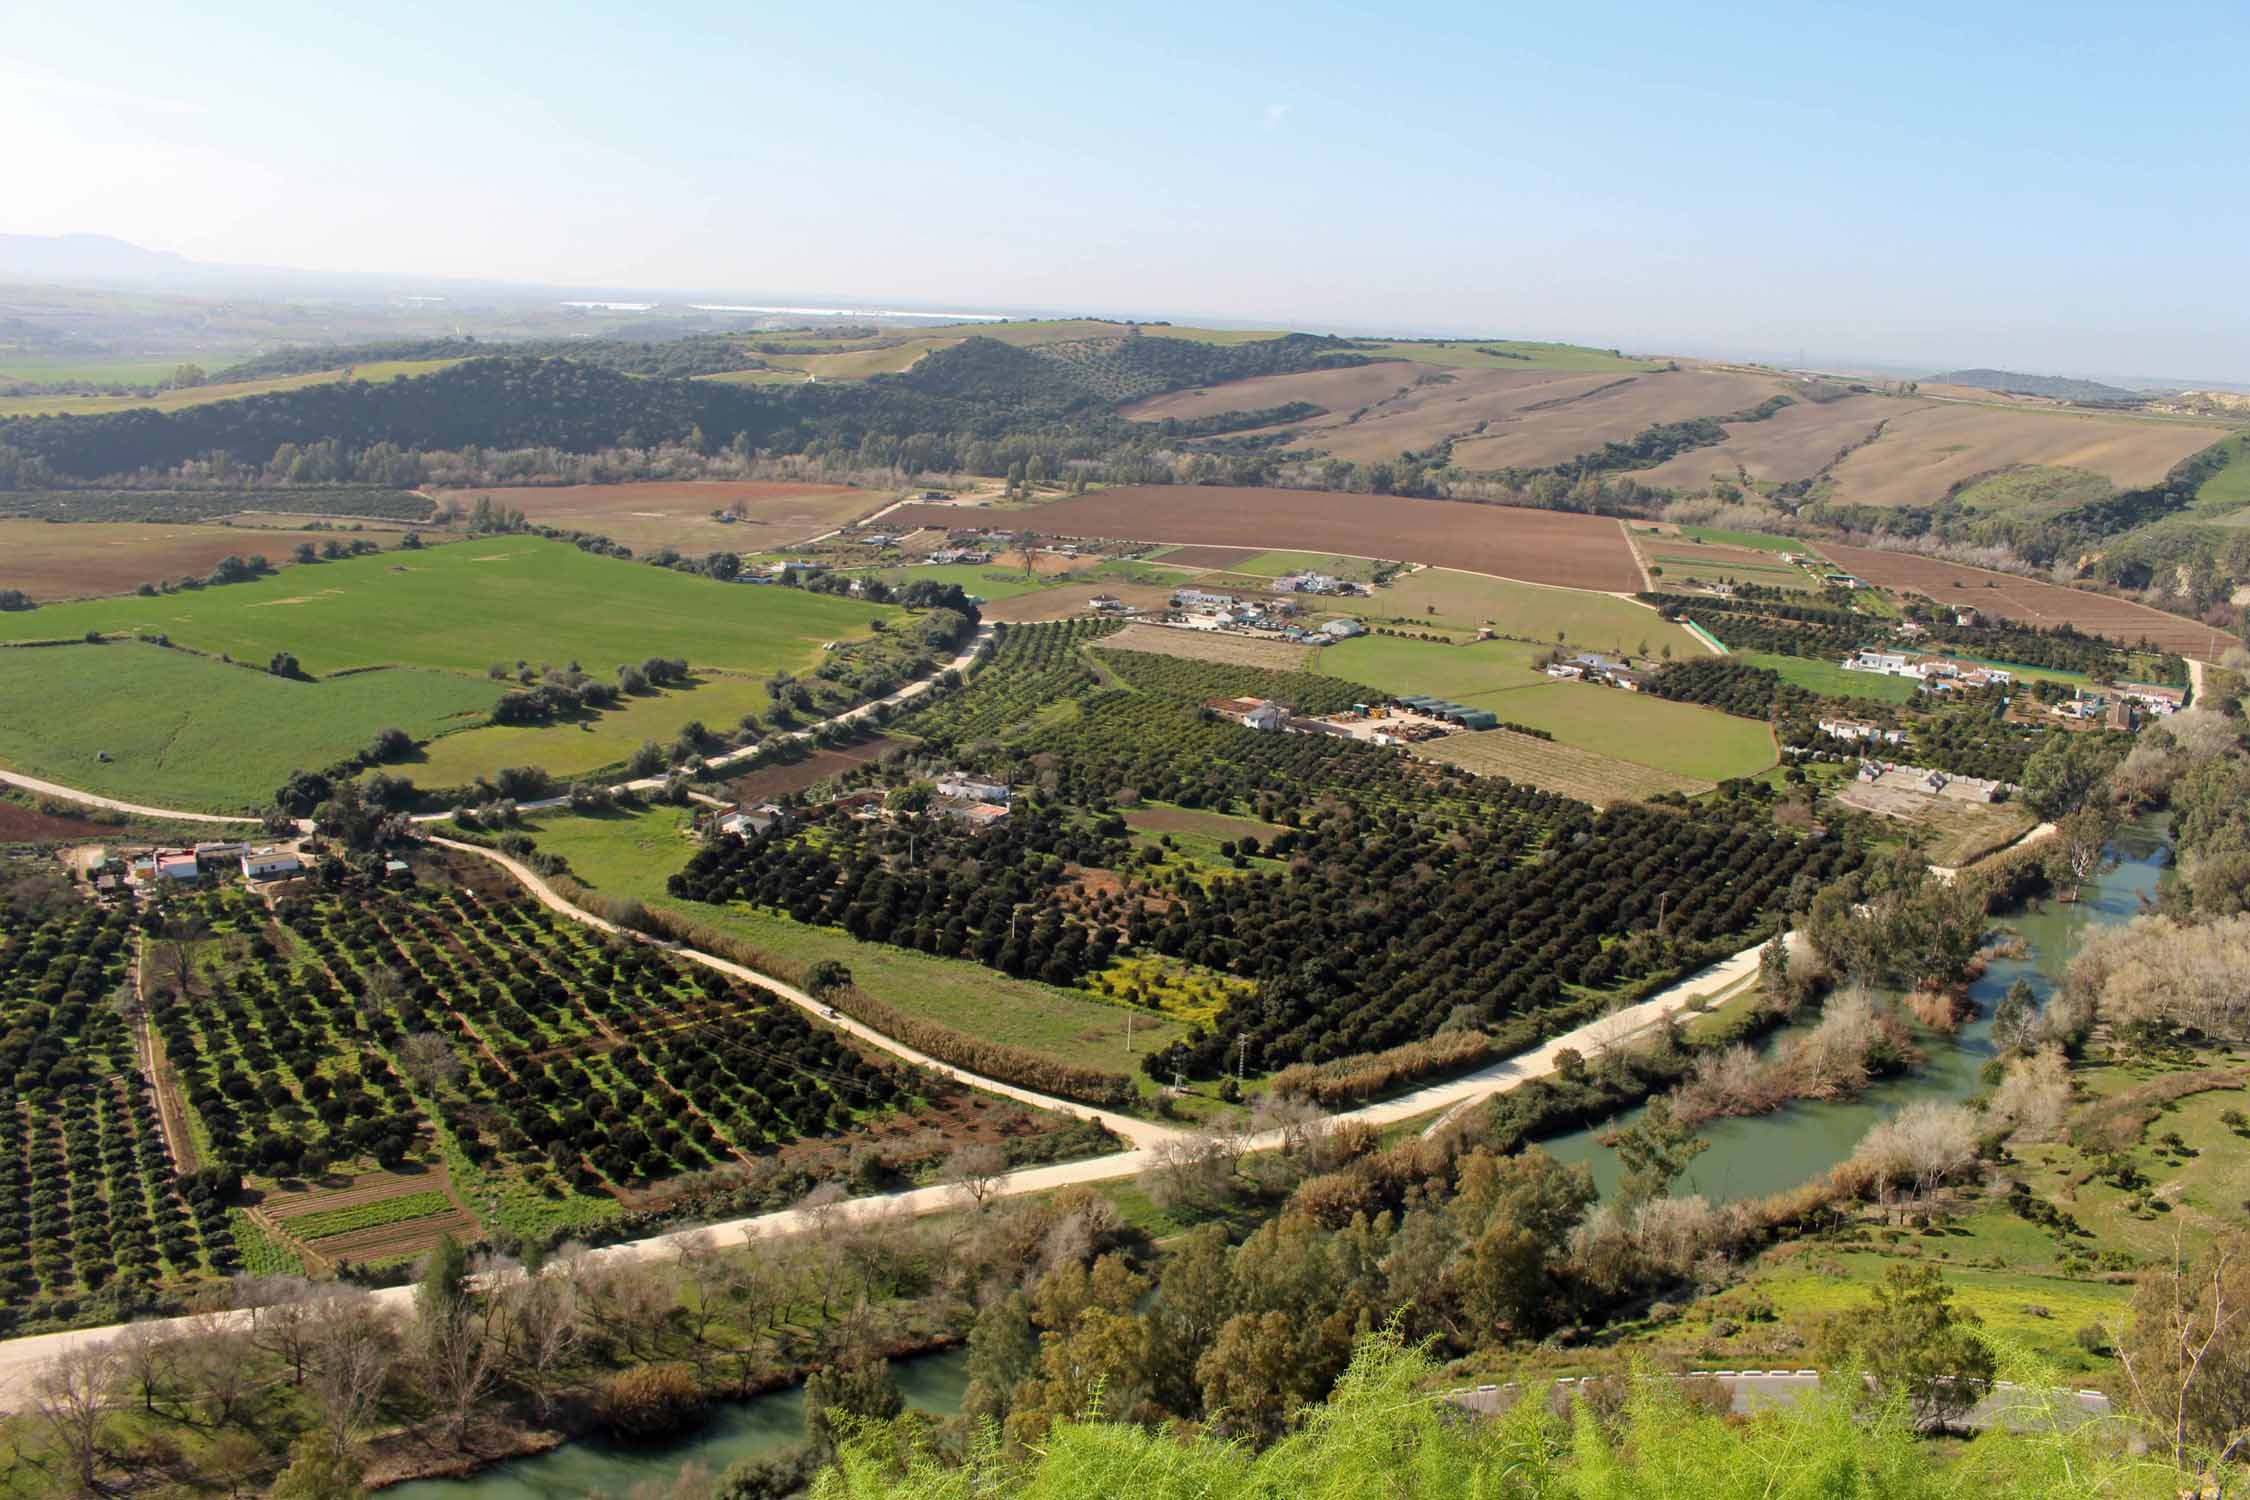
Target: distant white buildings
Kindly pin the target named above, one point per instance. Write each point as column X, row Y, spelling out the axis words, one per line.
column 1862, row 729
column 963, row 788
column 1342, row 629
column 1250, row 713
column 1937, row 674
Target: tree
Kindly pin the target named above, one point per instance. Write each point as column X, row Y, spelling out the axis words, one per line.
column 2186, row 1354
column 302, row 792
column 1003, row 1352
column 2065, row 771
column 2015, row 1019
column 1652, row 1151
column 825, row 978
column 542, row 1326
column 860, row 1386
column 69, row 1398
column 284, row 664
column 2079, row 849
column 428, row 1060
column 352, row 1347
column 1915, row 1344
column 318, row 1472
column 977, row 1171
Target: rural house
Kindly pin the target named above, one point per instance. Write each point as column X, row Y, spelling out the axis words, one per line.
column 2161, row 701
column 966, row 788
column 1862, row 729
column 1250, row 713
column 1342, row 630
column 270, row 864
column 749, row 822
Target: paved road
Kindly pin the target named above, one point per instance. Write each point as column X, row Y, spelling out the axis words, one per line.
column 88, row 799
column 2008, row 1404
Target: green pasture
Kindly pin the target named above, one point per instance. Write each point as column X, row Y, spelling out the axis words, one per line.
column 466, row 605
column 1684, row 738
column 717, row 700
column 1470, row 673
column 1127, row 570
column 1442, row 598
column 2229, row 488
column 631, row 855
column 188, row 731
column 1281, row 564
column 990, row 581
column 1830, row 680
column 1758, row 540
column 2037, row 488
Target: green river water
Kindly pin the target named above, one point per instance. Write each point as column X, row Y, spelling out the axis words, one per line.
column 737, row 1430
column 1751, row 1157
column 1747, row 1158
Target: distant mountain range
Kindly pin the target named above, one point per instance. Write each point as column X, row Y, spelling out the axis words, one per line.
column 84, row 255
column 2053, row 387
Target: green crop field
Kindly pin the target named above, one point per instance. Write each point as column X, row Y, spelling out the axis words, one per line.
column 985, row 580
column 1668, row 736
column 718, row 700
column 1819, row 675
column 463, row 606
column 2229, row 489
column 1759, row 540
column 1125, row 570
column 188, row 731
column 1471, row 673
column 1280, row 564
column 2039, row 488
column 632, row 855
column 1441, row 598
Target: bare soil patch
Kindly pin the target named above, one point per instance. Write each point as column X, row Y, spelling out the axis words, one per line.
column 1796, row 442
column 677, row 514
column 1066, row 600
column 2031, row 602
column 1924, row 453
column 52, row 560
column 1539, row 546
column 768, row 782
column 1187, row 820
column 27, row 825
column 1583, row 774
column 1340, row 391
column 1209, row 645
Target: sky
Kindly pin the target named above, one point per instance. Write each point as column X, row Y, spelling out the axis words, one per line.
column 2055, row 187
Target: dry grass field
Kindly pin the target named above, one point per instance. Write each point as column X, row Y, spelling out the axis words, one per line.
column 82, row 559
column 1959, row 832
column 1209, row 645
column 645, row 517
column 1065, row 600
column 1340, row 391
column 1557, row 768
column 1796, row 442
column 37, row 406
column 1608, row 408
column 2030, row 602
column 1924, row 452
column 1542, row 546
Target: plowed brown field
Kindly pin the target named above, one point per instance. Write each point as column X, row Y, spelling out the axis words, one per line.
column 1539, row 546
column 775, row 781
column 76, row 559
column 2032, row 603
column 647, row 516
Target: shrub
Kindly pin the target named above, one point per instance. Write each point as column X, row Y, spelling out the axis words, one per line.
column 650, row 1401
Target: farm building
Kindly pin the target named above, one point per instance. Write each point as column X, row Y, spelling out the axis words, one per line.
column 1569, row 671
column 167, row 864
column 967, row 788
column 2162, row 701
column 219, row 856
column 1342, row 630
column 270, row 864
column 1452, row 713
column 975, row 814
column 1250, row 713
column 1862, row 729
column 749, row 822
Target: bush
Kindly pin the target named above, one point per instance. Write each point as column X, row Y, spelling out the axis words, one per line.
column 650, row 1401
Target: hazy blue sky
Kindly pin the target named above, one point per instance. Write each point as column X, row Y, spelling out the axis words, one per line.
column 2058, row 186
